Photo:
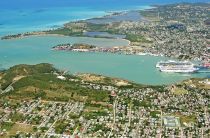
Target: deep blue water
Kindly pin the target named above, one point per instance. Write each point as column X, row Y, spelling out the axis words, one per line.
column 31, row 15
column 100, row 4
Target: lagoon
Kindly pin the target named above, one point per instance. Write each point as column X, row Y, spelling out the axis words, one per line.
column 104, row 34
column 37, row 49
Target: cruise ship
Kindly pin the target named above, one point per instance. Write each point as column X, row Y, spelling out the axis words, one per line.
column 176, row 66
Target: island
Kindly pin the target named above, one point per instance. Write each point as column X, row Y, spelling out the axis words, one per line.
column 91, row 48
column 175, row 30
column 74, row 47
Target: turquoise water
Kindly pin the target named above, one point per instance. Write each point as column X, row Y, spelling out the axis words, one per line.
column 129, row 16
column 19, row 16
column 20, row 20
column 31, row 15
column 34, row 50
column 26, row 20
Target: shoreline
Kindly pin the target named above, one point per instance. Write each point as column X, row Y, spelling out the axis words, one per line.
column 60, row 35
column 109, row 14
column 61, row 25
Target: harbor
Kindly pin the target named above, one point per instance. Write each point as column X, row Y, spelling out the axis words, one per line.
column 137, row 68
column 170, row 66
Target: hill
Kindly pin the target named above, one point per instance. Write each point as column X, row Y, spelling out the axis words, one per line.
column 41, row 101
column 41, row 80
column 19, row 71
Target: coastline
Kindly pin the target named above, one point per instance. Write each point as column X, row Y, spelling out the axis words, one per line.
column 61, row 25
column 92, row 79
column 148, row 53
column 108, row 14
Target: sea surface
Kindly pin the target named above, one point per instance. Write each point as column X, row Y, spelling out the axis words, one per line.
column 18, row 16
column 125, row 16
column 33, row 50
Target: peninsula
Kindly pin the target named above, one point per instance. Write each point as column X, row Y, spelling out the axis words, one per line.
column 175, row 30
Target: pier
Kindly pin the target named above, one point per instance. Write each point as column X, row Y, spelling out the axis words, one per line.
column 203, row 71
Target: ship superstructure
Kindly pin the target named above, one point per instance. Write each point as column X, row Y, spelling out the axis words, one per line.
column 176, row 66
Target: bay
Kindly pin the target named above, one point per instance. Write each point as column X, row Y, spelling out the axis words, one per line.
column 34, row 15
column 37, row 49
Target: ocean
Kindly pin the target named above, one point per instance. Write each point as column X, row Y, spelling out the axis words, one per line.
column 18, row 16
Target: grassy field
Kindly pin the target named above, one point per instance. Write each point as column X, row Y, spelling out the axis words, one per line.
column 186, row 119
column 65, row 31
column 150, row 15
column 20, row 128
column 137, row 38
column 180, row 91
column 77, row 29
column 6, row 126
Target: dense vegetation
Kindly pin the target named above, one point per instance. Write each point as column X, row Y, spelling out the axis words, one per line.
column 65, row 31
column 39, row 81
column 23, row 70
column 77, row 29
column 137, row 38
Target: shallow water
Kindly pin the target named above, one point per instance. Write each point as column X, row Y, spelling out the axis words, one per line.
column 33, row 50
column 129, row 16
column 19, row 16
column 33, row 15
column 104, row 34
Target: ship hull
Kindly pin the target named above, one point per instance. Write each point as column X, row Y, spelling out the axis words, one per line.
column 178, row 71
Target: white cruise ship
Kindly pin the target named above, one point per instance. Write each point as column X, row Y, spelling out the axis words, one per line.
column 176, row 66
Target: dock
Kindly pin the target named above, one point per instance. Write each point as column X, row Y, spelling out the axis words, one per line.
column 204, row 71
